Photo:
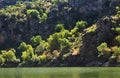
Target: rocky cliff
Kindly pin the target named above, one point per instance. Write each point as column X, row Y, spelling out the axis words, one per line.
column 102, row 32
column 21, row 22
column 88, row 10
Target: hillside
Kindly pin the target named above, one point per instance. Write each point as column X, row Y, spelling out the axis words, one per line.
column 60, row 33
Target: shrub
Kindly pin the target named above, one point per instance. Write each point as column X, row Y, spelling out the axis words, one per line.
column 2, row 60
column 8, row 58
column 58, row 41
column 117, row 29
column 64, row 43
column 81, row 25
column 43, row 58
column 53, row 41
column 23, row 46
column 117, row 39
column 28, row 53
column 103, row 49
column 9, row 55
column 59, row 27
column 42, row 47
column 35, row 40
column 33, row 13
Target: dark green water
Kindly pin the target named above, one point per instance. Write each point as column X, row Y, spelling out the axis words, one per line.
column 65, row 72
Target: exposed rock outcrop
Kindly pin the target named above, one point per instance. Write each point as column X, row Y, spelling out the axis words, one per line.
column 91, row 40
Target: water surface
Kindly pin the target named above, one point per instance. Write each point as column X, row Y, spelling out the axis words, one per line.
column 65, row 72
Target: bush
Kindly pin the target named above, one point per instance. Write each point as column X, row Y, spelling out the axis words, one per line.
column 117, row 29
column 9, row 55
column 43, row 58
column 33, row 13
column 103, row 49
column 58, row 41
column 28, row 53
column 115, row 58
column 23, row 46
column 53, row 41
column 41, row 48
column 9, row 59
column 117, row 39
column 59, row 27
column 81, row 25
column 2, row 60
column 64, row 43
column 35, row 40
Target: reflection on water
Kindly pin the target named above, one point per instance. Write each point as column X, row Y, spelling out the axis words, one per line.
column 59, row 72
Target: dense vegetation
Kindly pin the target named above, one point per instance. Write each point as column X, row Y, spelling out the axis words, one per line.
column 52, row 33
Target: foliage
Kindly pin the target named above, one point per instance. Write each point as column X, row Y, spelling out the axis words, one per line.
column 116, row 53
column 59, row 27
column 117, row 29
column 42, row 47
column 91, row 29
column 117, row 39
column 2, row 60
column 35, row 40
column 53, row 41
column 118, row 11
column 103, row 49
column 59, row 41
column 43, row 57
column 28, row 53
column 38, row 16
column 23, row 46
column 64, row 43
column 81, row 25
column 33, row 13
column 8, row 57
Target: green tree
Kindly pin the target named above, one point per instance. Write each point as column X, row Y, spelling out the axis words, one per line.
column 33, row 13
column 27, row 54
column 81, row 25
column 2, row 60
column 103, row 49
column 64, row 43
column 53, row 41
column 9, row 55
column 8, row 58
column 41, row 48
column 23, row 46
column 58, row 41
column 36, row 40
column 59, row 27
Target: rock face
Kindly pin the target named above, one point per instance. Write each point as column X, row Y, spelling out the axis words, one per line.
column 91, row 40
column 92, row 5
column 4, row 3
column 88, row 10
column 91, row 10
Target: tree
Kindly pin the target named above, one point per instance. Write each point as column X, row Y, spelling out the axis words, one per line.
column 58, row 41
column 35, row 40
column 81, row 25
column 9, row 55
column 33, row 13
column 59, row 27
column 103, row 49
column 27, row 54
column 53, row 41
column 23, row 46
column 41, row 48
column 8, row 58
column 2, row 60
